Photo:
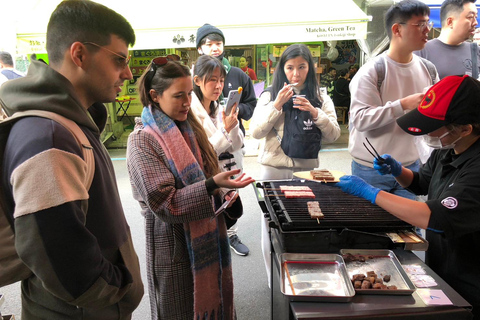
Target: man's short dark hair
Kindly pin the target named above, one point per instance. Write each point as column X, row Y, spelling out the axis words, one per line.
column 452, row 7
column 343, row 72
column 331, row 68
column 404, row 11
column 82, row 21
column 6, row 58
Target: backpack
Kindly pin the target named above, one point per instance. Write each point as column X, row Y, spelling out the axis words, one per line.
column 473, row 51
column 380, row 68
column 12, row 268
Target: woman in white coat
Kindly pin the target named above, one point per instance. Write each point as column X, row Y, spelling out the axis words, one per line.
column 223, row 130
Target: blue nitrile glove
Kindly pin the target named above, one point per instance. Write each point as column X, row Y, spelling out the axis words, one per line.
column 389, row 166
column 358, row 187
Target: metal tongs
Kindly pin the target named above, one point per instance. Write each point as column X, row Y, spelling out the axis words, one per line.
column 375, row 155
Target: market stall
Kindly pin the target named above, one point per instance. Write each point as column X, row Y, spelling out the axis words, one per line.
column 314, row 261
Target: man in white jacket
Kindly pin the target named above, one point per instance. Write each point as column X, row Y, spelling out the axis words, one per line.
column 374, row 109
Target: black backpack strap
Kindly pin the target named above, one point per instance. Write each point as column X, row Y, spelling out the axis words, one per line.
column 474, row 51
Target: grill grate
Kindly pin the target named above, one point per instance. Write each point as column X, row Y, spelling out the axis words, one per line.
column 341, row 210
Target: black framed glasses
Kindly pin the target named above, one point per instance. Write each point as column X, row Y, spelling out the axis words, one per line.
column 423, row 25
column 122, row 62
column 160, row 62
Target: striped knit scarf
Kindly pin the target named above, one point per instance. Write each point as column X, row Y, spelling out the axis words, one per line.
column 206, row 239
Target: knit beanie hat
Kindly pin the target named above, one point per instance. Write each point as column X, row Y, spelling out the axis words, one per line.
column 205, row 30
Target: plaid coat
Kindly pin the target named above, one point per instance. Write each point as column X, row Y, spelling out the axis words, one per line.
column 165, row 206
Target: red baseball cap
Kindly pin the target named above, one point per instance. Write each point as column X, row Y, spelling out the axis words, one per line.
column 454, row 99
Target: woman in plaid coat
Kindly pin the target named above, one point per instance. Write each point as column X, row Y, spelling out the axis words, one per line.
column 175, row 177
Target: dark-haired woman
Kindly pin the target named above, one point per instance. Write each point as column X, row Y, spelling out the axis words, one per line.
column 222, row 130
column 294, row 74
column 175, row 177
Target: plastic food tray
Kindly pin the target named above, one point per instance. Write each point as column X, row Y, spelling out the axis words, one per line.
column 315, row 277
column 382, row 262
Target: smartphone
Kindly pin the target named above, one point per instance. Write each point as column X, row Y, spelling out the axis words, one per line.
column 233, row 97
column 225, row 205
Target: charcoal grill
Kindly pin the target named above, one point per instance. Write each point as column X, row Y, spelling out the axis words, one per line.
column 349, row 222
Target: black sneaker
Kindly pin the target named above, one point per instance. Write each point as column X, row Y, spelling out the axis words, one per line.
column 237, row 246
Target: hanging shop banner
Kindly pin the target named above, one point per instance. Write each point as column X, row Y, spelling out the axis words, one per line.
column 28, row 44
column 248, row 35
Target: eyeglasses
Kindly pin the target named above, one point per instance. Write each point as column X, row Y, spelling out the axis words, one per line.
column 160, row 62
column 423, row 25
column 122, row 62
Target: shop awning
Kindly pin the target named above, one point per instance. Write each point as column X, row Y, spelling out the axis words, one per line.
column 160, row 24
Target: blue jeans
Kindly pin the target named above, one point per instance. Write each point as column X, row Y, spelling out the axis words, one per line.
column 387, row 182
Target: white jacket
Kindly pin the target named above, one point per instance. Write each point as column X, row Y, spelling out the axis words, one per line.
column 220, row 139
column 266, row 117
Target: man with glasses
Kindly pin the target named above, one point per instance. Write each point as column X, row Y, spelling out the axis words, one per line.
column 75, row 240
column 451, row 53
column 375, row 106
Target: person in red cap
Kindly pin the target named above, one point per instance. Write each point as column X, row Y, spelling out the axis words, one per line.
column 448, row 117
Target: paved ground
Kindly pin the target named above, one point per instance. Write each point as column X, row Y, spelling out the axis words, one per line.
column 252, row 296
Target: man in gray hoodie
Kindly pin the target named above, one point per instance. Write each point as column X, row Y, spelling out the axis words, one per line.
column 76, row 241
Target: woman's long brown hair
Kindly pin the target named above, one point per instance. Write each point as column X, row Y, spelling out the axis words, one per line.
column 160, row 78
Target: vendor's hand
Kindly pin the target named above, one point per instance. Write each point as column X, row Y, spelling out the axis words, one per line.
column 412, row 101
column 390, row 166
column 358, row 187
column 285, row 94
column 305, row 105
column 223, row 179
column 230, row 121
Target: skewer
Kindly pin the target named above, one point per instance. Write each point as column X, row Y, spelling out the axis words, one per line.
column 318, row 221
column 288, row 276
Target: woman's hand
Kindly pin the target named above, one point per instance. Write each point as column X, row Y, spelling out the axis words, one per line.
column 230, row 121
column 303, row 104
column 228, row 196
column 285, row 94
column 223, row 180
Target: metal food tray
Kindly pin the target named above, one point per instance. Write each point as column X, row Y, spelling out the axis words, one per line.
column 315, row 277
column 382, row 262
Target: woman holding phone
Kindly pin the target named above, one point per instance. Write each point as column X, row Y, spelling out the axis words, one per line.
column 294, row 89
column 222, row 129
column 175, row 177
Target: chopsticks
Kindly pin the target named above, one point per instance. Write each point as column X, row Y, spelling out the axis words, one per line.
column 288, row 276
column 375, row 155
